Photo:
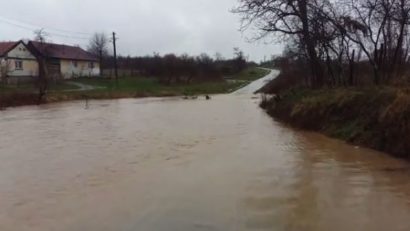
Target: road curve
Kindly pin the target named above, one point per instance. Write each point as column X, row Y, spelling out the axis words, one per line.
column 258, row 84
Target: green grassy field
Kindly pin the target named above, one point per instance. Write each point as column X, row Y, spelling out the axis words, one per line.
column 152, row 86
column 145, row 86
column 53, row 87
column 129, row 87
column 250, row 74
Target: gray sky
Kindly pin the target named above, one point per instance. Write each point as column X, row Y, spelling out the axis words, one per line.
column 143, row 26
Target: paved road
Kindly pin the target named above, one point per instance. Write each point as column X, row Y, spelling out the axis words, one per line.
column 258, row 84
column 82, row 87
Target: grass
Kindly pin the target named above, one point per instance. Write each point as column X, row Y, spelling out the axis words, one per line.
column 28, row 88
column 63, row 87
column 250, row 74
column 128, row 87
column 146, row 86
column 376, row 117
column 150, row 86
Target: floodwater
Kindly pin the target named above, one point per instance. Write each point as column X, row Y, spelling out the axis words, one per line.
column 175, row 165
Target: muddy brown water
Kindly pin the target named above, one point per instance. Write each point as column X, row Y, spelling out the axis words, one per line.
column 173, row 164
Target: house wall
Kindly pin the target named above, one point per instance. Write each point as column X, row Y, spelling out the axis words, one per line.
column 69, row 70
column 30, row 68
column 20, row 53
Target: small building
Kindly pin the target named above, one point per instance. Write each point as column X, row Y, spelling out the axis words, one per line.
column 17, row 62
column 66, row 62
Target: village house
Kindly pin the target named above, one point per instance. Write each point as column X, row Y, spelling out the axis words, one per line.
column 66, row 62
column 19, row 61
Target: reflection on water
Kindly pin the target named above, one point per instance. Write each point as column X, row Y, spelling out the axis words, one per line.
column 171, row 164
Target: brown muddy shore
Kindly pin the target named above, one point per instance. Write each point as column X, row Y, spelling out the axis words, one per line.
column 27, row 99
column 378, row 118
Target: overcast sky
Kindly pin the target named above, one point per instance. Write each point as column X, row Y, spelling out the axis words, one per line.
column 143, row 26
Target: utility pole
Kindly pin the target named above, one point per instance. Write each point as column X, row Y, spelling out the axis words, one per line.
column 114, row 40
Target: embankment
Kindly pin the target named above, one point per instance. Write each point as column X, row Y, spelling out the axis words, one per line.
column 17, row 99
column 378, row 118
column 14, row 99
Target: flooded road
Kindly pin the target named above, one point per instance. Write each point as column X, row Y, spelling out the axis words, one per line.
column 173, row 165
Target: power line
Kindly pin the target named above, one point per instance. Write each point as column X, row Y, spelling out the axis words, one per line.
column 32, row 28
column 53, row 34
column 47, row 28
column 13, row 24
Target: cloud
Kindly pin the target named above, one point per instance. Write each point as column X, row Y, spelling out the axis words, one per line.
column 143, row 26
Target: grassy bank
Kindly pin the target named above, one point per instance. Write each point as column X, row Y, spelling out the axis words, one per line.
column 129, row 87
column 378, row 118
column 250, row 74
column 27, row 94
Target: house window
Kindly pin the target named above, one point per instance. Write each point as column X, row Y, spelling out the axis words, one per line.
column 19, row 64
column 91, row 65
column 75, row 64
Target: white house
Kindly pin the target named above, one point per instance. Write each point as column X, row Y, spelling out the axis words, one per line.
column 66, row 62
column 17, row 61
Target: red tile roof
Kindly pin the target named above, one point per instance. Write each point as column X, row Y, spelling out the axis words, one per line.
column 6, row 47
column 58, row 51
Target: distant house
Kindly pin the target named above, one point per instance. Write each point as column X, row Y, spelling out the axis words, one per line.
column 66, row 62
column 17, row 62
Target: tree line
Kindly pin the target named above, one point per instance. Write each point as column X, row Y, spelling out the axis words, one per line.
column 342, row 42
column 169, row 68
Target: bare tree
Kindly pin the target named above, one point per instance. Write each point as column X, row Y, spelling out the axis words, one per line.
column 378, row 28
column 287, row 18
column 239, row 59
column 40, row 35
column 43, row 75
column 4, row 70
column 218, row 56
column 42, row 82
column 334, row 34
column 98, row 46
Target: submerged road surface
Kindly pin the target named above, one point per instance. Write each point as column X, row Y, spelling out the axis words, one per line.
column 176, row 165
